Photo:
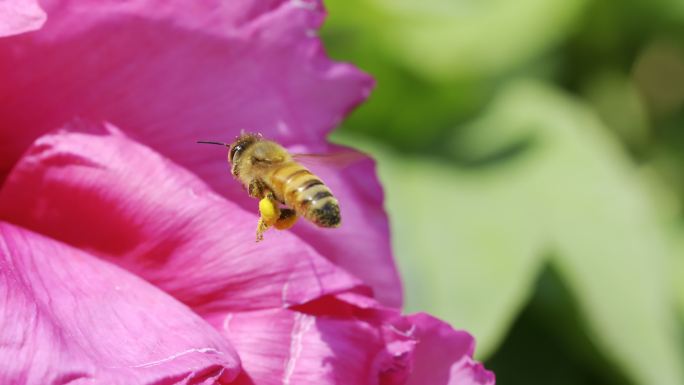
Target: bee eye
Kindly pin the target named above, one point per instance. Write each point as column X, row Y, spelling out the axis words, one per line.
column 234, row 151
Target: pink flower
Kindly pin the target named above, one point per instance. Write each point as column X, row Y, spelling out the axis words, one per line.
column 127, row 253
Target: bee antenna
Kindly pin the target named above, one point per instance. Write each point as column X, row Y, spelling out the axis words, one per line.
column 208, row 142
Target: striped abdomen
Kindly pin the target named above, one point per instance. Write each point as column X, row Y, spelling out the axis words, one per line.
column 301, row 190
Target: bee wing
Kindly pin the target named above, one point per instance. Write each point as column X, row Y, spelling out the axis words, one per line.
column 338, row 159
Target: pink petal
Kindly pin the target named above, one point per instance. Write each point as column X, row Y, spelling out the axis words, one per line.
column 172, row 73
column 469, row 372
column 19, row 16
column 100, row 191
column 283, row 346
column 67, row 317
column 443, row 355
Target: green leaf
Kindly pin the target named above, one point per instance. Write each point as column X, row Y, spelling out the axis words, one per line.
column 678, row 271
column 606, row 236
column 618, row 102
column 463, row 253
column 471, row 237
column 437, row 61
column 443, row 39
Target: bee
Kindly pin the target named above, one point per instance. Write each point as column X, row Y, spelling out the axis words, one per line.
column 271, row 174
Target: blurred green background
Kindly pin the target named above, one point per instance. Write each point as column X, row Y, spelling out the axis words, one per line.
column 532, row 154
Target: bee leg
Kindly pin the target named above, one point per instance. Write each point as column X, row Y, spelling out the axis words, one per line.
column 268, row 208
column 257, row 189
column 287, row 219
column 261, row 228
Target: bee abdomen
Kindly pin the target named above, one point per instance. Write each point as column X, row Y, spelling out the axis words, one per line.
column 328, row 215
column 313, row 199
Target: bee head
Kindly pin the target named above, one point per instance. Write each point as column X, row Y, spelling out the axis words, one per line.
column 240, row 144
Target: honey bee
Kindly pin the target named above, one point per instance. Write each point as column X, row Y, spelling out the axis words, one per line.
column 270, row 173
